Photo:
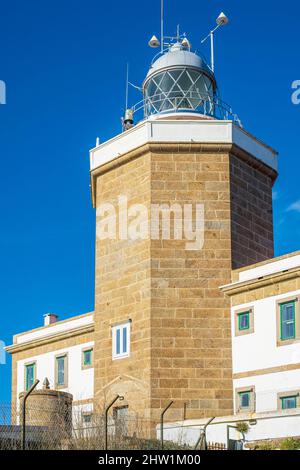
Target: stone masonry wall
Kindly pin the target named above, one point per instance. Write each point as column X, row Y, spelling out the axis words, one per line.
column 252, row 215
column 180, row 342
column 190, row 319
column 123, row 293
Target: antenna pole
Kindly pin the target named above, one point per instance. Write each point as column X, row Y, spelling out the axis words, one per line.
column 212, row 51
column 127, row 82
column 211, row 35
column 162, row 25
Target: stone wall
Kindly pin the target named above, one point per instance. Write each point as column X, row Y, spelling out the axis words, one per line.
column 191, row 350
column 123, row 293
column 252, row 214
column 181, row 341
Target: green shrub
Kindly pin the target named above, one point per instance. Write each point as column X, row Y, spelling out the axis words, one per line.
column 290, row 444
column 265, row 446
column 242, row 427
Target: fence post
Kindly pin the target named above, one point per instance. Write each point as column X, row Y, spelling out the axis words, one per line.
column 162, row 424
column 23, row 440
column 106, row 417
column 202, row 438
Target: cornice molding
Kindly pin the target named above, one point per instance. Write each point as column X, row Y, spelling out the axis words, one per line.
column 178, row 147
column 252, row 284
column 14, row 348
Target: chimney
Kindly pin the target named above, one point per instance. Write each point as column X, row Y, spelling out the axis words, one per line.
column 50, row 318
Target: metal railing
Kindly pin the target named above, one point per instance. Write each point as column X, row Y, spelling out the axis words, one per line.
column 191, row 101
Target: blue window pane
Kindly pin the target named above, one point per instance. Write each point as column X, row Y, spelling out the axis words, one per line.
column 244, row 321
column 289, row 402
column 60, row 371
column 118, row 341
column 87, row 358
column 288, row 312
column 245, row 399
column 125, row 339
column 29, row 376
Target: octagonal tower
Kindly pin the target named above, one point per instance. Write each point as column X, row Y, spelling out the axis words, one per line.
column 189, row 149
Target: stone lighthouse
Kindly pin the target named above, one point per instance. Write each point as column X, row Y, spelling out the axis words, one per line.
column 162, row 325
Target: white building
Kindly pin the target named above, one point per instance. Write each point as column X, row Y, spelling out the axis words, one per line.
column 265, row 324
column 265, row 327
column 62, row 352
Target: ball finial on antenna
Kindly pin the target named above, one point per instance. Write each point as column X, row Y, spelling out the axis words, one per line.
column 222, row 19
column 154, row 42
column 186, row 43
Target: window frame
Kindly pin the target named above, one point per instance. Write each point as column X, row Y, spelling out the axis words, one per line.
column 251, row 407
column 27, row 364
column 120, row 327
column 86, row 414
column 65, row 384
column 282, row 305
column 290, row 394
column 237, row 314
column 241, row 394
column 240, row 315
column 279, row 304
column 83, row 351
column 121, row 423
column 291, row 397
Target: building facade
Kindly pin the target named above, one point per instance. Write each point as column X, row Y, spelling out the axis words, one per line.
column 265, row 322
column 62, row 352
column 180, row 320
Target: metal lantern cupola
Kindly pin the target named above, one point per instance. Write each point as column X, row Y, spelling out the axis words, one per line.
column 179, row 80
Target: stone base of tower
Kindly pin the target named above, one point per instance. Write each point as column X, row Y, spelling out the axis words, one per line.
column 180, row 321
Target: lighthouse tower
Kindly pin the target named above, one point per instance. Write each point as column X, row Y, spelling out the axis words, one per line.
column 162, row 325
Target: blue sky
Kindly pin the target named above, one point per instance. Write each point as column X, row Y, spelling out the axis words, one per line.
column 64, row 66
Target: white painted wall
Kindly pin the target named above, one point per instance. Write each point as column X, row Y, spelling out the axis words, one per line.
column 80, row 382
column 189, row 130
column 55, row 328
column 259, row 350
column 267, row 386
column 269, row 426
column 270, row 268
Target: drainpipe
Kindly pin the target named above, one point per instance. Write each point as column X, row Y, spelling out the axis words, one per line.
column 162, row 424
column 24, row 413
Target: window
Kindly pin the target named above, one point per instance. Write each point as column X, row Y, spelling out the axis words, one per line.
column 289, row 400
column 87, row 417
column 29, row 375
column 61, row 371
column 121, row 417
column 244, row 321
column 287, row 321
column 121, row 340
column 245, row 400
column 87, row 358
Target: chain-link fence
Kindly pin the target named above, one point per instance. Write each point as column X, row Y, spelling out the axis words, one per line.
column 76, row 428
